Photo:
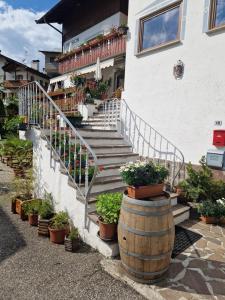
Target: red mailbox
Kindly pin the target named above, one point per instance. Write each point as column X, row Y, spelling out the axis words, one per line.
column 219, row 138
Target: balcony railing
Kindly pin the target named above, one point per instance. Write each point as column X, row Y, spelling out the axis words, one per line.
column 108, row 48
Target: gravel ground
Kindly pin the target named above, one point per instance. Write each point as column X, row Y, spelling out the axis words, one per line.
column 33, row 268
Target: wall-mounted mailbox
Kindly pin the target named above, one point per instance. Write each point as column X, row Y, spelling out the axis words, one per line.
column 219, row 138
column 215, row 158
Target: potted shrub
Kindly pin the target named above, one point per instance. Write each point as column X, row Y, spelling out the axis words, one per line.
column 58, row 227
column 108, row 209
column 209, row 211
column 221, row 208
column 72, row 241
column 46, row 212
column 31, row 209
column 123, row 29
column 75, row 119
column 145, row 179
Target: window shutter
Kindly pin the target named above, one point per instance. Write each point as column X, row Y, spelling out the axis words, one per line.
column 206, row 16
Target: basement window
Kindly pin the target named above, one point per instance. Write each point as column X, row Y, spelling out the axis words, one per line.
column 160, row 28
column 217, row 14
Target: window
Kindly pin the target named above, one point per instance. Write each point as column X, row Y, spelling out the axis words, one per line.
column 19, row 77
column 217, row 14
column 160, row 28
column 52, row 59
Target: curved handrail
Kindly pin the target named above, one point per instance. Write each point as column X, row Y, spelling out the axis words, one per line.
column 128, row 121
column 37, row 104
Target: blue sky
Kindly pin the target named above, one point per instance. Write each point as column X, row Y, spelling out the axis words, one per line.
column 37, row 5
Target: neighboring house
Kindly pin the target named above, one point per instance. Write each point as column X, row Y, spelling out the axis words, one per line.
column 186, row 102
column 14, row 74
column 88, row 32
column 51, row 65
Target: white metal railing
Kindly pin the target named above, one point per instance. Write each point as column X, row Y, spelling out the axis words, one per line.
column 144, row 139
column 74, row 153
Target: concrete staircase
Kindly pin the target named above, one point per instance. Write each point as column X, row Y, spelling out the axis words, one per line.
column 112, row 152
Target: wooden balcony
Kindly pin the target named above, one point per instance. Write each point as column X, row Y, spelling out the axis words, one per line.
column 109, row 47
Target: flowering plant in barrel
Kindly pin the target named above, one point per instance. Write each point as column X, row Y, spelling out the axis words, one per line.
column 108, row 208
column 144, row 178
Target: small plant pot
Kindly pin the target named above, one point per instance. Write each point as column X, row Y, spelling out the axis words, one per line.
column 142, row 192
column 107, row 232
column 71, row 245
column 33, row 219
column 43, row 225
column 222, row 220
column 57, row 236
column 209, row 220
column 123, row 30
column 20, row 210
column 13, row 206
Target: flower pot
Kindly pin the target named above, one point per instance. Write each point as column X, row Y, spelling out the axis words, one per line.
column 146, row 191
column 20, row 210
column 222, row 220
column 71, row 245
column 123, row 30
column 43, row 225
column 107, row 232
column 33, row 219
column 209, row 220
column 13, row 206
column 57, row 236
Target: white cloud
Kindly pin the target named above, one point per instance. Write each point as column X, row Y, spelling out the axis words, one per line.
column 21, row 37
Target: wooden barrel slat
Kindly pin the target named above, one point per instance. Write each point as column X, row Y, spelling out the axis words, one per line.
column 146, row 237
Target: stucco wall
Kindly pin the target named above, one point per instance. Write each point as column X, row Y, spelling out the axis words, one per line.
column 182, row 110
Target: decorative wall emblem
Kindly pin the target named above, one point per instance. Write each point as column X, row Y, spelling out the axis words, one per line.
column 178, row 70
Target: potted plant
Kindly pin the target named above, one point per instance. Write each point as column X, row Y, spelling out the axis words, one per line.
column 72, row 241
column 123, row 29
column 58, row 227
column 108, row 209
column 209, row 211
column 46, row 212
column 13, row 205
column 31, row 209
column 144, row 178
column 221, row 208
column 75, row 119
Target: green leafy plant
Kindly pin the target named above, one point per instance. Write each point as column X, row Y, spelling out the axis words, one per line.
column 108, row 207
column 78, row 80
column 141, row 173
column 32, row 207
column 200, row 184
column 74, row 234
column 221, row 206
column 46, row 209
column 209, row 209
column 60, row 220
column 24, row 186
column 12, row 124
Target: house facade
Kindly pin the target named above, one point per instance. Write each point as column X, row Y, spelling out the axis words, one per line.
column 51, row 67
column 89, row 32
column 14, row 74
column 174, row 69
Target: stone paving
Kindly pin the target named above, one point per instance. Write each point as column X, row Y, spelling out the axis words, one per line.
column 196, row 273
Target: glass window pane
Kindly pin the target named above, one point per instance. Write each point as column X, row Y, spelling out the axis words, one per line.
column 161, row 29
column 220, row 13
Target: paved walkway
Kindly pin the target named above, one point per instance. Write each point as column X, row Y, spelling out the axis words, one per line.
column 33, row 268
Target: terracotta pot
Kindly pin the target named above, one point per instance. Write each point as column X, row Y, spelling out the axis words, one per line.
column 71, row 245
column 13, row 206
column 57, row 236
column 222, row 220
column 33, row 219
column 107, row 231
column 146, row 191
column 209, row 220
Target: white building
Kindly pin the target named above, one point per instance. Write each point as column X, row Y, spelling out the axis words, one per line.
column 185, row 109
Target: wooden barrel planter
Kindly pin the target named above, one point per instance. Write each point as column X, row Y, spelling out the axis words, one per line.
column 146, row 237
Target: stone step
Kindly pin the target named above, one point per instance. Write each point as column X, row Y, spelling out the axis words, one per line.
column 99, row 141
column 111, row 149
column 99, row 133
column 109, row 159
column 100, row 127
column 102, row 118
column 106, row 186
column 103, row 115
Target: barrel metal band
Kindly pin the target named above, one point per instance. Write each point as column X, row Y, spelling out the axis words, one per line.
column 145, row 257
column 146, row 213
column 144, row 273
column 157, row 203
column 145, row 233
